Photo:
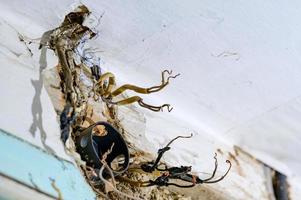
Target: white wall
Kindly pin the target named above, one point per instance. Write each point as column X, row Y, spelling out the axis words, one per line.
column 239, row 64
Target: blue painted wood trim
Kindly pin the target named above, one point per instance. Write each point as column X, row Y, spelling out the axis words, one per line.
column 34, row 167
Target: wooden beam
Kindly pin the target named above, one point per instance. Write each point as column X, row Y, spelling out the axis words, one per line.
column 31, row 166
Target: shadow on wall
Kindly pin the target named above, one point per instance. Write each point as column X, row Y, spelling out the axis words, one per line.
column 36, row 106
